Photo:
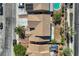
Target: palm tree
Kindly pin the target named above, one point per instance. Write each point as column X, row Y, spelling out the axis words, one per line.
column 20, row 31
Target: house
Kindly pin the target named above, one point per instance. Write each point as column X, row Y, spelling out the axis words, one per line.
column 39, row 28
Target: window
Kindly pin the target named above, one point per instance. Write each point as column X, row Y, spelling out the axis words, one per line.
column 32, row 29
column 29, row 6
column 1, row 9
column 21, row 5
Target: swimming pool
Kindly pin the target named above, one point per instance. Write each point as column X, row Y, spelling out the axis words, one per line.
column 56, row 6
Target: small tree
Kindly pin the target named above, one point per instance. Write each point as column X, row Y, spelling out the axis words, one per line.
column 19, row 50
column 67, row 52
column 63, row 40
column 20, row 31
column 57, row 18
column 62, row 9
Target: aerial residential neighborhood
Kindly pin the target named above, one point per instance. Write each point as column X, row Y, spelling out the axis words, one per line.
column 39, row 29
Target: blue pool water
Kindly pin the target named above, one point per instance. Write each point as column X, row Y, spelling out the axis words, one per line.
column 56, row 6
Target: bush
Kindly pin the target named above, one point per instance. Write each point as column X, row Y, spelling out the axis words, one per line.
column 20, row 31
column 67, row 52
column 57, row 18
column 19, row 50
column 63, row 40
column 62, row 9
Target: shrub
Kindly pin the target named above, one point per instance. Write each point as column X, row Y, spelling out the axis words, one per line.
column 63, row 40
column 20, row 31
column 62, row 9
column 57, row 18
column 19, row 50
column 67, row 51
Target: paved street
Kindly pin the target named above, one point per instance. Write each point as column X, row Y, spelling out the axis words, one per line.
column 10, row 24
column 8, row 38
column 76, row 42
